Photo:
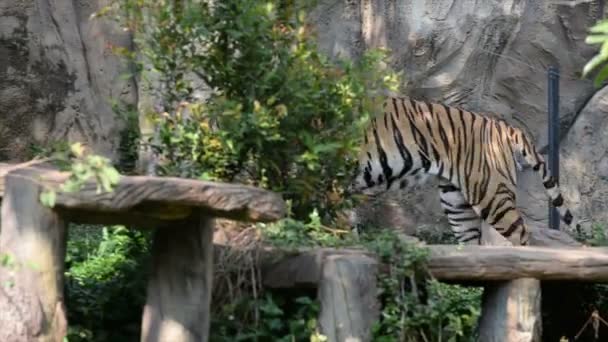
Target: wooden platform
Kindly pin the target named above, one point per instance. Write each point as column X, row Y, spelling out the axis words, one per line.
column 454, row 264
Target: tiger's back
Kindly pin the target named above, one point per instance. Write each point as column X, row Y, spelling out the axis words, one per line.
column 474, row 156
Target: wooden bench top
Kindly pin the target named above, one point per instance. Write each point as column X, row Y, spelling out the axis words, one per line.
column 155, row 197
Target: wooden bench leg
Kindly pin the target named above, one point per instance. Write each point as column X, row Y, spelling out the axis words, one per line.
column 179, row 289
column 347, row 292
column 32, row 246
column 511, row 312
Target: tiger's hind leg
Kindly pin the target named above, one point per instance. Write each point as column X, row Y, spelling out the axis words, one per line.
column 505, row 218
column 513, row 228
column 464, row 221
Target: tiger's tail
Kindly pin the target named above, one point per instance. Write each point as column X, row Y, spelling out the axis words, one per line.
column 527, row 151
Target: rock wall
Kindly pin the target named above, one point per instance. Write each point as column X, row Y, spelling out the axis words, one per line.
column 488, row 56
column 58, row 77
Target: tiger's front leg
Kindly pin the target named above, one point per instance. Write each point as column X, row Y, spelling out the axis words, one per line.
column 464, row 221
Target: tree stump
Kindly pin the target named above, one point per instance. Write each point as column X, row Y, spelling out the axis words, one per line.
column 179, row 288
column 511, row 310
column 347, row 292
column 32, row 245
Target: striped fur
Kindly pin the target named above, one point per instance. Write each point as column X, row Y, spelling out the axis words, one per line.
column 475, row 158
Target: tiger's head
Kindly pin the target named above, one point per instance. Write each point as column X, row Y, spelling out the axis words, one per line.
column 368, row 176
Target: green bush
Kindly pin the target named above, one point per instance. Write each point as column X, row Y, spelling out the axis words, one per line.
column 106, row 277
column 415, row 307
column 287, row 317
column 105, row 283
column 282, row 116
column 291, row 233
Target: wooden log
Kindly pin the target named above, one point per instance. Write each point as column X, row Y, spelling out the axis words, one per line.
column 499, row 263
column 450, row 263
column 179, row 288
column 347, row 293
column 162, row 197
column 31, row 284
column 301, row 268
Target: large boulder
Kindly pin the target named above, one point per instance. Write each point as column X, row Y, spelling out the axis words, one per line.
column 58, row 76
column 488, row 56
column 584, row 161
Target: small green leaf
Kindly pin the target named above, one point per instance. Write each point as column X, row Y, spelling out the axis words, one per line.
column 604, row 50
column 77, row 149
column 596, row 39
column 601, row 76
column 304, row 300
column 592, row 64
column 113, row 176
column 47, row 198
column 7, row 260
column 71, row 185
column 600, row 27
column 105, row 185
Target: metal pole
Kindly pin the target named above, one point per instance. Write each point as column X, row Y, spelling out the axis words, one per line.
column 553, row 138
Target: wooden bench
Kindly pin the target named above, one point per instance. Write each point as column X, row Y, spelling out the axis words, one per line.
column 33, row 243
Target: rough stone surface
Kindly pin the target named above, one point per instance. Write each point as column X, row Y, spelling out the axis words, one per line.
column 584, row 160
column 58, row 77
column 488, row 56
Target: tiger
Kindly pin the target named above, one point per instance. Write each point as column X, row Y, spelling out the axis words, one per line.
column 474, row 156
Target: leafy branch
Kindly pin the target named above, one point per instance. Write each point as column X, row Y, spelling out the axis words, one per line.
column 81, row 166
column 599, row 35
